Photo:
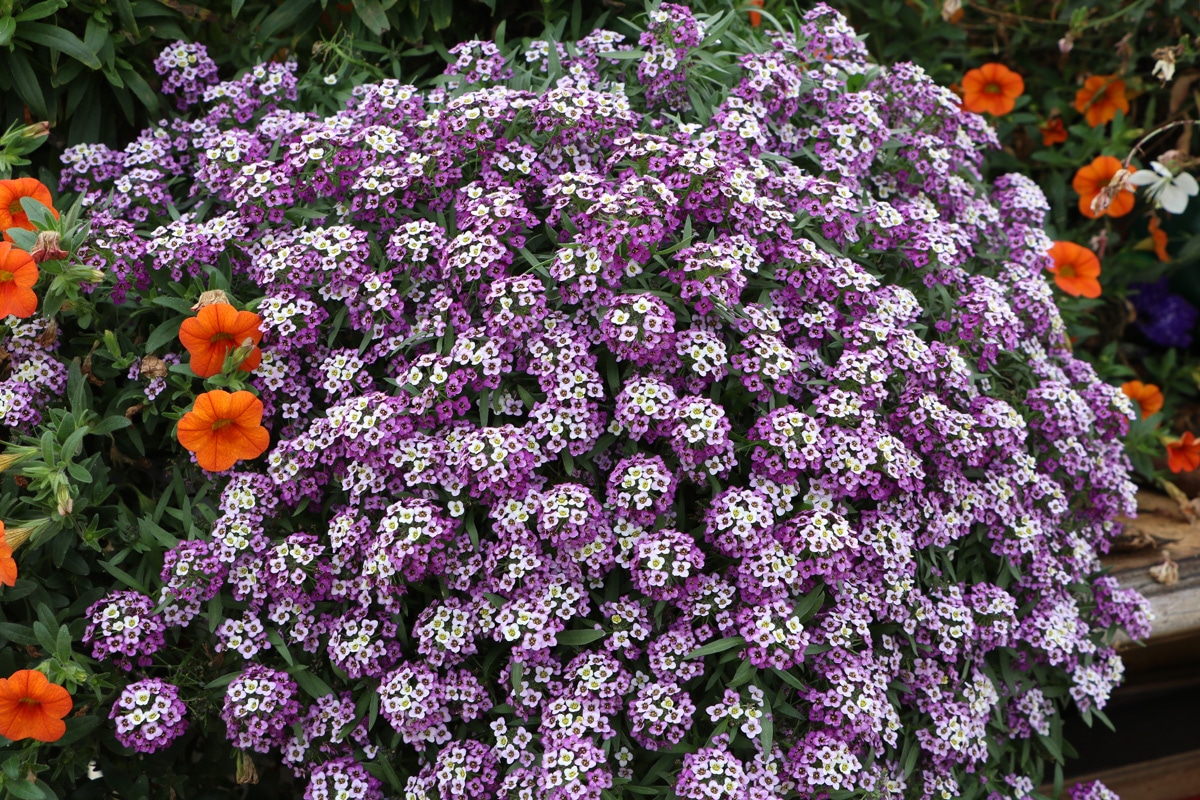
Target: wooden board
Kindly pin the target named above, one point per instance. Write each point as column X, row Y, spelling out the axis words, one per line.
column 1161, row 522
column 1172, row 778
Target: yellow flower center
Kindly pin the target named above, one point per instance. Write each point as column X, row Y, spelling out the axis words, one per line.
column 15, row 207
column 992, row 88
column 221, row 423
column 1066, row 271
column 220, row 337
column 5, row 276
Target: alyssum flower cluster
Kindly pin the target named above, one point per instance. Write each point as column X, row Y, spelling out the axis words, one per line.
column 628, row 434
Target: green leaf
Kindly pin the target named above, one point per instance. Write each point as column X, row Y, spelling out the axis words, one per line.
column 515, row 674
column 8, row 26
column 125, row 12
column 581, row 636
column 442, row 12
column 77, row 393
column 37, row 212
column 164, row 333
column 285, row 17
column 372, row 15
column 718, row 646
column 78, row 728
column 236, row 7
column 61, row 40
column 768, row 727
column 280, row 646
column 21, row 634
column 137, row 84
column 40, row 10
column 25, row 81
column 310, row 683
column 124, row 577
column 109, row 424
column 23, row 790
column 789, row 679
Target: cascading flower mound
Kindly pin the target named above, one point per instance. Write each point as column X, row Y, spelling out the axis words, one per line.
column 634, row 435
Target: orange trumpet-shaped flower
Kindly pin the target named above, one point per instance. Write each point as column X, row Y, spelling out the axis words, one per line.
column 1075, row 269
column 18, row 274
column 8, row 567
column 1093, row 179
column 31, row 707
column 1159, row 237
column 217, row 329
column 755, row 17
column 1100, row 97
column 12, row 214
column 1184, row 455
column 1053, row 132
column 1148, row 396
column 223, row 429
column 993, row 88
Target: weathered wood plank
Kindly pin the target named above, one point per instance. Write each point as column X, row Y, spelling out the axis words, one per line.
column 1171, row 778
column 1162, row 523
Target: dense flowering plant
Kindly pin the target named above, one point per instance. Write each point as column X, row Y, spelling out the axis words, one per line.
column 638, row 418
column 1104, row 127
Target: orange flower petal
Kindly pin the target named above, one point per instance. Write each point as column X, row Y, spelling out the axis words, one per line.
column 1159, row 237
column 12, row 213
column 216, row 330
column 992, row 88
column 223, row 428
column 32, row 708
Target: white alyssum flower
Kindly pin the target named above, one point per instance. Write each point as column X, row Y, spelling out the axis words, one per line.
column 1166, row 190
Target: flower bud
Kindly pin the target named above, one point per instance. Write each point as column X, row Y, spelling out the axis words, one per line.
column 35, row 131
column 241, row 353
column 65, row 504
column 211, row 298
column 47, row 248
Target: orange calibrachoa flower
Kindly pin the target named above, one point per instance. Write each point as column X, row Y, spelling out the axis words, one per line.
column 8, row 567
column 18, row 274
column 217, row 329
column 1075, row 269
column 1159, row 236
column 1094, row 178
column 755, row 17
column 1053, row 132
column 31, row 707
column 1148, row 396
column 12, row 214
column 1184, row 455
column 1100, row 98
column 223, row 429
column 993, row 88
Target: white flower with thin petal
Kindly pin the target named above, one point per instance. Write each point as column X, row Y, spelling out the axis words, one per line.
column 1166, row 190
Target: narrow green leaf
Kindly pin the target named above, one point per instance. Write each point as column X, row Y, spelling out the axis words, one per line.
column 164, row 333
column 25, row 81
column 286, row 17
column 372, row 15
column 578, row 637
column 39, row 10
column 59, row 39
column 718, row 646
